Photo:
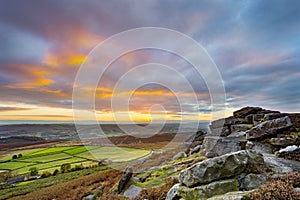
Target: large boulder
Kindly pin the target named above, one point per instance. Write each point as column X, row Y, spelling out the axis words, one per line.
column 269, row 128
column 217, row 168
column 217, row 146
column 125, row 179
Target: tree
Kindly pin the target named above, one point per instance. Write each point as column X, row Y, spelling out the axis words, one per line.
column 65, row 167
column 33, row 171
column 14, row 157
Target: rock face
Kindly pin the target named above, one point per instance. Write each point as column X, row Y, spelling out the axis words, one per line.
column 217, row 146
column 217, row 168
column 269, row 128
column 242, row 113
column 125, row 178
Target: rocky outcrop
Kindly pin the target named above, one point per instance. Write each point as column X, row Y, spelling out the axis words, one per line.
column 269, row 128
column 125, row 179
column 241, row 156
column 219, row 167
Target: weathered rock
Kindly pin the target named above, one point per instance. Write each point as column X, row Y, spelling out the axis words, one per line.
column 195, row 150
column 209, row 190
column 231, row 196
column 217, row 168
column 173, row 192
column 242, row 113
column 216, row 146
column 132, row 192
column 251, row 181
column 279, row 165
column 259, row 147
column 223, row 131
column 125, row 178
column 179, row 155
column 269, row 128
column 240, row 127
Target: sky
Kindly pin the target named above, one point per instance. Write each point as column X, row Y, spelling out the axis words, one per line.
column 254, row 44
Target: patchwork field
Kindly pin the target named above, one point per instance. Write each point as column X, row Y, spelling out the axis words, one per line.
column 53, row 157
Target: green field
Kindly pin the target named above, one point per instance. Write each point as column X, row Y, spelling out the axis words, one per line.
column 53, row 157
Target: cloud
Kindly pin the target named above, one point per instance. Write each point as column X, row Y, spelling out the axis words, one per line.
column 5, row 109
column 255, row 45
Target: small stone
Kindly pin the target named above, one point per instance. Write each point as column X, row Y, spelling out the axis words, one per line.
column 179, row 155
column 195, row 150
column 132, row 192
column 173, row 192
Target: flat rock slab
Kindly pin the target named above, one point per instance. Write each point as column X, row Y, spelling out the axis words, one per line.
column 269, row 128
column 221, row 167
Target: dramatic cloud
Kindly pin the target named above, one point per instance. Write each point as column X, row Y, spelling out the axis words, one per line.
column 255, row 45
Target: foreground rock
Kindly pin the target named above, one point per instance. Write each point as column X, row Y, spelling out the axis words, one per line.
column 209, row 190
column 125, row 178
column 219, row 167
